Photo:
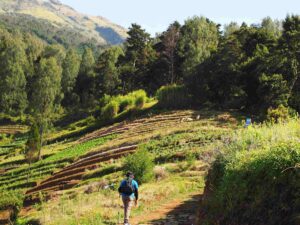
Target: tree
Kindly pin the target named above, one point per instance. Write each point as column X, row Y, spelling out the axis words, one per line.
column 290, row 45
column 107, row 70
column 199, row 38
column 47, row 88
column 286, row 59
column 85, row 83
column 170, row 40
column 33, row 144
column 230, row 29
column 34, row 47
column 70, row 72
column 220, row 77
column 13, row 62
column 272, row 27
column 138, row 59
column 273, row 90
column 56, row 51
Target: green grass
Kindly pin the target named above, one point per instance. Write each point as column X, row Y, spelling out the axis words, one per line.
column 256, row 178
column 79, row 149
column 164, row 147
column 84, row 209
column 178, row 148
column 27, row 175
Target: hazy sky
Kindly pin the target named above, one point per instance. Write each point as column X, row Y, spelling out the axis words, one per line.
column 156, row 15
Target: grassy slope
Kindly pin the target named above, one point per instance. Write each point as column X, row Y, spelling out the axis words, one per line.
column 42, row 13
column 171, row 146
column 183, row 152
column 61, row 16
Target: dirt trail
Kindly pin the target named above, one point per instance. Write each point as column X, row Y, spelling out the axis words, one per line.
column 175, row 212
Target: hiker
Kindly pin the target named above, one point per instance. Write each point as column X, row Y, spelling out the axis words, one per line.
column 129, row 191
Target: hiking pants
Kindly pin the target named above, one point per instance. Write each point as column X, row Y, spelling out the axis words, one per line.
column 127, row 202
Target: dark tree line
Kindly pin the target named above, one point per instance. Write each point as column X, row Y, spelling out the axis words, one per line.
column 244, row 67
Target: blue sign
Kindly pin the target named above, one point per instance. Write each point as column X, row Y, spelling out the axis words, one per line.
column 248, row 122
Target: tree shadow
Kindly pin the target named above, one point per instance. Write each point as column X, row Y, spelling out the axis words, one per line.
column 184, row 214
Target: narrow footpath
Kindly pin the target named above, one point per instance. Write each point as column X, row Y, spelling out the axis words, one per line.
column 176, row 212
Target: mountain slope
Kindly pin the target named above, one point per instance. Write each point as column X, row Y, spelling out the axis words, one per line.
column 59, row 18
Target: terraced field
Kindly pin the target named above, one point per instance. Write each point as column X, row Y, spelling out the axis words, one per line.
column 70, row 166
column 130, row 134
column 13, row 129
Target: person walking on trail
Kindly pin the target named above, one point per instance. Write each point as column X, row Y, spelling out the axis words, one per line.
column 129, row 191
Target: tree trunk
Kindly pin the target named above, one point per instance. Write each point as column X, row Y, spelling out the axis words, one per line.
column 41, row 143
column 296, row 76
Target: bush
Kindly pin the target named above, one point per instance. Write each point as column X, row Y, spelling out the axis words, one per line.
column 140, row 102
column 126, row 102
column 11, row 200
column 111, row 106
column 140, row 97
column 280, row 114
column 33, row 144
column 110, row 110
column 105, row 100
column 141, row 164
column 173, row 97
column 261, row 186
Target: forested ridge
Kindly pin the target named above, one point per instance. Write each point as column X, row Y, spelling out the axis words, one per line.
column 243, row 67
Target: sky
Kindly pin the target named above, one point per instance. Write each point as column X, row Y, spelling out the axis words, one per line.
column 156, row 15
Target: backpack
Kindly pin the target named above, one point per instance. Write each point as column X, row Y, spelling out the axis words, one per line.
column 127, row 189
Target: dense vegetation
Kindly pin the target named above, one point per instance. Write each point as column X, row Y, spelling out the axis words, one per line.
column 244, row 67
column 48, row 32
column 256, row 178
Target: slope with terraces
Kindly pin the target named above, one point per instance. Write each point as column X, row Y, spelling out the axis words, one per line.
column 130, row 134
column 13, row 129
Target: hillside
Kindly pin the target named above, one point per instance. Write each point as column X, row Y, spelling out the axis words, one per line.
column 200, row 158
column 42, row 16
column 83, row 166
column 74, row 120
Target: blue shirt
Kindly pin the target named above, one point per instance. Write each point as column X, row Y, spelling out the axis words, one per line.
column 134, row 185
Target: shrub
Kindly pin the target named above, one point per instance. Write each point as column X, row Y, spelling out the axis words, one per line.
column 33, row 144
column 140, row 97
column 140, row 102
column 11, row 200
column 126, row 103
column 111, row 106
column 105, row 100
column 173, row 97
column 261, row 186
column 280, row 114
column 141, row 164
column 110, row 110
